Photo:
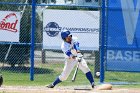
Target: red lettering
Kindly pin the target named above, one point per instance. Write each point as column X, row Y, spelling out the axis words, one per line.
column 8, row 26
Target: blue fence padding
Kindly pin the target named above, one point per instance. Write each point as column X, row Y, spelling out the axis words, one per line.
column 123, row 66
column 123, row 35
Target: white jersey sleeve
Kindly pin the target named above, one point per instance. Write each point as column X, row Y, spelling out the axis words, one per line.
column 68, row 48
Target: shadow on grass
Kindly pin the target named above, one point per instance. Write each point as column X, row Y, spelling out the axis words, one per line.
column 124, row 80
column 23, row 69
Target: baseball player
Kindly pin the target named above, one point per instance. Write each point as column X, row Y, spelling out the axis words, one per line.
column 71, row 50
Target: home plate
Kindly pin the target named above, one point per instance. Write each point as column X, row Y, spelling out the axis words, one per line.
column 104, row 87
column 83, row 88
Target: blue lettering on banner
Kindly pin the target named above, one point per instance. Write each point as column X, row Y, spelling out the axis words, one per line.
column 52, row 29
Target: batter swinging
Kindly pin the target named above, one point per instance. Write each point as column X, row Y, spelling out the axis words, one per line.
column 71, row 50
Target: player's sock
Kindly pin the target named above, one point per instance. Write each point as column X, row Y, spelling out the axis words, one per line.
column 56, row 81
column 90, row 77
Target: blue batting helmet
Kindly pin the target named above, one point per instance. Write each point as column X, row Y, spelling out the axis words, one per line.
column 65, row 34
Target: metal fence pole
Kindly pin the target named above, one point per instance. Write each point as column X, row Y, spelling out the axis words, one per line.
column 32, row 40
column 43, row 55
column 102, row 42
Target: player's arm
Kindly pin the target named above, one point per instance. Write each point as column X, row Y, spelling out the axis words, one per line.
column 77, row 48
column 69, row 54
column 66, row 50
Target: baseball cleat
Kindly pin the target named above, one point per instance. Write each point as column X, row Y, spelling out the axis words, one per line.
column 92, row 85
column 50, row 86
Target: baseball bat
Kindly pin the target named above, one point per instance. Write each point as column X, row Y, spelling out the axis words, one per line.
column 75, row 73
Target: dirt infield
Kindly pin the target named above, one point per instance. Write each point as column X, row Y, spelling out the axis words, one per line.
column 42, row 89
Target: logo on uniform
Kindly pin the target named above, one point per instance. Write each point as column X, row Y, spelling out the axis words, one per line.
column 52, row 29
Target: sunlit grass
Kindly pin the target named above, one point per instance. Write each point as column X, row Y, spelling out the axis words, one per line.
column 46, row 74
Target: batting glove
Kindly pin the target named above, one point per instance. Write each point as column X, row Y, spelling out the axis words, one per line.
column 79, row 57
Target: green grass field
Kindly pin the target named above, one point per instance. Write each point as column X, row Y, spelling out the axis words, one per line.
column 46, row 73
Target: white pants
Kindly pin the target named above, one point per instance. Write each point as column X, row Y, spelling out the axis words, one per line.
column 69, row 65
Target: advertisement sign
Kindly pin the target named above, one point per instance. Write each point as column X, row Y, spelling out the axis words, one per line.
column 9, row 26
column 123, row 35
column 82, row 24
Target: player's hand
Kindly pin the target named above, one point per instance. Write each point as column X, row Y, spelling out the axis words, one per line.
column 79, row 57
column 73, row 56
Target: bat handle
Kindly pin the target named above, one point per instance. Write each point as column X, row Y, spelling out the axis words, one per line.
column 75, row 73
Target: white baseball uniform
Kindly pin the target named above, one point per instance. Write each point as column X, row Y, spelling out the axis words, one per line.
column 69, row 62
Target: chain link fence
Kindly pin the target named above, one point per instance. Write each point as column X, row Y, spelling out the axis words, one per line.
column 48, row 63
column 15, row 57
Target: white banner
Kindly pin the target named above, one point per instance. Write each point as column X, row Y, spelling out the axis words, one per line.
column 83, row 24
column 9, row 26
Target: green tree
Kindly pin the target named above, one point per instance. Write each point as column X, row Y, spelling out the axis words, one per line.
column 19, row 53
